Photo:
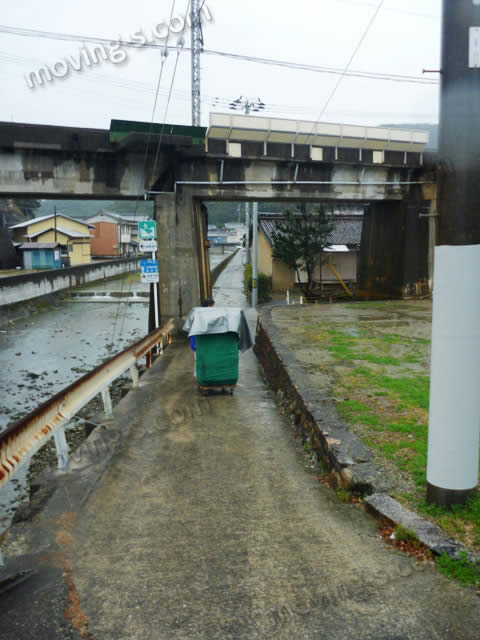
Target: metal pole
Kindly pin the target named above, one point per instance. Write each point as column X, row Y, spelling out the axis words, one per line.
column 155, row 296
column 453, row 439
column 255, row 256
column 197, row 43
column 247, row 237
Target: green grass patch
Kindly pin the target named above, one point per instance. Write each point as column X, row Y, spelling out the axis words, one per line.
column 356, row 412
column 344, row 347
column 460, row 569
column 381, row 381
column 413, row 391
column 405, row 535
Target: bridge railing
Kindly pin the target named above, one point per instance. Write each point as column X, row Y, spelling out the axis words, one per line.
column 22, row 439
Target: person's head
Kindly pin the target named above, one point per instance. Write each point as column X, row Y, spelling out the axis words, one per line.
column 208, row 302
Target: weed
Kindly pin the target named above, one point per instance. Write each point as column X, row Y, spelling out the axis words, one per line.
column 459, row 568
column 344, row 495
column 407, row 497
column 406, row 535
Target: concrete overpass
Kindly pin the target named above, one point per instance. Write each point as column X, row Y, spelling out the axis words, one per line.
column 239, row 158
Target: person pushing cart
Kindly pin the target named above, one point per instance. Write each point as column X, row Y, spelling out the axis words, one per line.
column 219, row 334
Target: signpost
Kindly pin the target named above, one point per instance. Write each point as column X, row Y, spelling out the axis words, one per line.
column 149, row 271
column 147, row 230
column 148, row 246
column 147, row 234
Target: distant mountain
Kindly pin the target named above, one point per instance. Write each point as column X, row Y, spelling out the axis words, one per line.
column 86, row 208
column 431, row 128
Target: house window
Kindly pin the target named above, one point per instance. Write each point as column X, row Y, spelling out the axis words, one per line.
column 378, row 157
column 70, row 248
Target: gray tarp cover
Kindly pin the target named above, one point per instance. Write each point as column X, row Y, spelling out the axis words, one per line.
column 209, row 320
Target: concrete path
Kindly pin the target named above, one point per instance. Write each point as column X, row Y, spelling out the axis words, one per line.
column 211, row 525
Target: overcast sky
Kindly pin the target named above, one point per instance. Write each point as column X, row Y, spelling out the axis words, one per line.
column 403, row 39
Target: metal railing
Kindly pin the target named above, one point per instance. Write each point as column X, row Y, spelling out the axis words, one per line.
column 22, row 439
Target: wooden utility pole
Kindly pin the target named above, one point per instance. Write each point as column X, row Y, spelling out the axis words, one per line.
column 453, row 442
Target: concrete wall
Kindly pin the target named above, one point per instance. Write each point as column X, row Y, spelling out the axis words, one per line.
column 178, row 236
column 32, row 285
column 394, row 252
column 265, row 260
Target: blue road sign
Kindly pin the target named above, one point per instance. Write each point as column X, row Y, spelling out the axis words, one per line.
column 149, row 270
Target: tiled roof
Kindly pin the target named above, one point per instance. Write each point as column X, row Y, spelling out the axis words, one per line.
column 348, row 228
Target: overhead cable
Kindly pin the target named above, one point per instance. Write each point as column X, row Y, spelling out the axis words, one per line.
column 367, row 75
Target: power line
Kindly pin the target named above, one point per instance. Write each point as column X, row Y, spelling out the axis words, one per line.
column 360, row 42
column 369, row 75
column 209, row 100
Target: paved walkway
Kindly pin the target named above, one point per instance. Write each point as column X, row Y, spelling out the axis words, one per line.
column 210, row 525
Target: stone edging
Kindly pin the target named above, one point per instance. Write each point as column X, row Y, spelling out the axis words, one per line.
column 348, row 460
column 216, row 271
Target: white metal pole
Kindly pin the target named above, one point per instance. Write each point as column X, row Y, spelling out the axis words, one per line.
column 255, row 256
column 155, row 298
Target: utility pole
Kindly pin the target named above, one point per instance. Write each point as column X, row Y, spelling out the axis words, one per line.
column 55, row 220
column 197, row 44
column 453, row 438
column 255, row 256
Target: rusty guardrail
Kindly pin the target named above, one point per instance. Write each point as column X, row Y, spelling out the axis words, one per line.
column 22, row 439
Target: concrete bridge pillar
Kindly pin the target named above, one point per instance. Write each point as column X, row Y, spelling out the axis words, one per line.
column 183, row 261
column 394, row 251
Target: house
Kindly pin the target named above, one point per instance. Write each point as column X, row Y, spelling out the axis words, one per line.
column 236, row 231
column 73, row 236
column 41, row 255
column 115, row 234
column 342, row 254
column 216, row 236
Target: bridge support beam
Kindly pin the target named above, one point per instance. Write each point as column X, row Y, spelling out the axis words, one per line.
column 394, row 251
column 183, row 263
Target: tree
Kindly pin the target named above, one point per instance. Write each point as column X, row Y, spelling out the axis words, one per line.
column 27, row 207
column 300, row 239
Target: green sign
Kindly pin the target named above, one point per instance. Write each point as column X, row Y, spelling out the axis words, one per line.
column 147, row 230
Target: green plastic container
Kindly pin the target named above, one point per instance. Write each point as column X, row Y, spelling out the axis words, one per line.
column 217, row 359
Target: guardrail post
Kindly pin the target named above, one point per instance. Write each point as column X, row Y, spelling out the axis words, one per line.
column 149, row 359
column 107, row 401
column 134, row 374
column 62, row 448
